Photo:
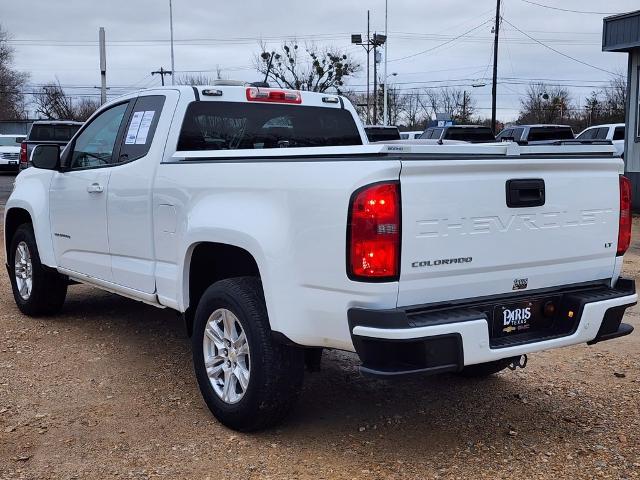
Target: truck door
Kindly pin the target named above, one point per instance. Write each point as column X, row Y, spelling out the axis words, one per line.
column 130, row 194
column 78, row 196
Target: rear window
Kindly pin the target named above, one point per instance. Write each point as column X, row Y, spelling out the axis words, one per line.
column 470, row 134
column 52, row 133
column 618, row 133
column 431, row 133
column 10, row 141
column 540, row 134
column 382, row 134
column 236, row 125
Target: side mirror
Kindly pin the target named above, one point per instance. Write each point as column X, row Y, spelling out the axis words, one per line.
column 46, row 157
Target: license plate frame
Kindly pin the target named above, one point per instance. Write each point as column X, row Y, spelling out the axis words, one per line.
column 526, row 316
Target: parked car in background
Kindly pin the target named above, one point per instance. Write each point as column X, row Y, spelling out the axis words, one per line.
column 535, row 133
column 10, row 152
column 464, row 133
column 275, row 242
column 612, row 131
column 55, row 132
column 410, row 135
column 381, row 133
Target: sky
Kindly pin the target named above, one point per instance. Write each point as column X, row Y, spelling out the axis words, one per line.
column 430, row 44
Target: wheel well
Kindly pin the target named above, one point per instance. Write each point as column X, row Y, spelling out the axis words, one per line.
column 211, row 262
column 15, row 218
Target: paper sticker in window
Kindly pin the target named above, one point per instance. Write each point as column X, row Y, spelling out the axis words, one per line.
column 132, row 133
column 145, row 125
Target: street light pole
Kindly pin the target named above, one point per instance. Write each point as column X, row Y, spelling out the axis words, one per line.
column 173, row 66
column 371, row 43
column 385, row 112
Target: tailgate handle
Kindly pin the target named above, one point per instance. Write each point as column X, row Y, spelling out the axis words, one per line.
column 527, row 192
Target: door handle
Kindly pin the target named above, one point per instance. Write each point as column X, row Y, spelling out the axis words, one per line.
column 95, row 188
column 523, row 193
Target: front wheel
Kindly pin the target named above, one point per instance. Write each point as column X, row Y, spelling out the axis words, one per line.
column 248, row 381
column 37, row 289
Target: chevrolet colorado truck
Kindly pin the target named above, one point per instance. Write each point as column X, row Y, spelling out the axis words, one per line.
column 263, row 217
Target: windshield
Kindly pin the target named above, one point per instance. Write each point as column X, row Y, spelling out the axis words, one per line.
column 11, row 141
column 236, row 125
column 52, row 132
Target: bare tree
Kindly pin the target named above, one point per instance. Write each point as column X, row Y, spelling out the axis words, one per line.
column 457, row 103
column 414, row 116
column 51, row 102
column 12, row 82
column 309, row 68
column 545, row 104
column 84, row 108
column 197, row 79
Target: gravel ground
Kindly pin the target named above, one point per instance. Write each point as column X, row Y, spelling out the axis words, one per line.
column 106, row 390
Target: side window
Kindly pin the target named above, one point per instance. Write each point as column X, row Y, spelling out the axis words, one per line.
column 505, row 133
column 587, row 134
column 95, row 145
column 436, row 133
column 141, row 128
column 602, row 133
column 618, row 133
column 517, row 134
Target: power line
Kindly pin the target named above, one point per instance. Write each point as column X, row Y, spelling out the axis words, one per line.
column 442, row 44
column 568, row 10
column 559, row 52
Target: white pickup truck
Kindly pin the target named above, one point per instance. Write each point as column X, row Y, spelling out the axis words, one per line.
column 264, row 218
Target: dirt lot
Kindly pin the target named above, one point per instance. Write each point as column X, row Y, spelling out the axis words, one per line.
column 106, row 390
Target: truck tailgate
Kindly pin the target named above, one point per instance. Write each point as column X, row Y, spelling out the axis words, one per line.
column 461, row 240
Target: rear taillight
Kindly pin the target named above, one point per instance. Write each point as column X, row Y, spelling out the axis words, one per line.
column 23, row 154
column 624, row 228
column 373, row 233
column 255, row 94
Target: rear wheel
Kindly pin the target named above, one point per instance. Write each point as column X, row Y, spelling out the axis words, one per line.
column 482, row 370
column 37, row 289
column 248, row 381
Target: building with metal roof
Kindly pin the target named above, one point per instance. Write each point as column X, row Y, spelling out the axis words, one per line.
column 621, row 33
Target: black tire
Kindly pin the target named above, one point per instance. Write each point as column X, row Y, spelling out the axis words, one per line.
column 276, row 370
column 482, row 370
column 49, row 288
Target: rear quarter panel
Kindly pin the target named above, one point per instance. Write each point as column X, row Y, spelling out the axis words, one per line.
column 291, row 216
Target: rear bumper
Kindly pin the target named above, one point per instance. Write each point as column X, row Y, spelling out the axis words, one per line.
column 436, row 339
column 6, row 167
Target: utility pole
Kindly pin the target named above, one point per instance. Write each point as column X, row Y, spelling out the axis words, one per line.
column 162, row 72
column 385, row 108
column 464, row 106
column 103, row 66
column 368, row 69
column 173, row 66
column 494, row 90
column 375, row 80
